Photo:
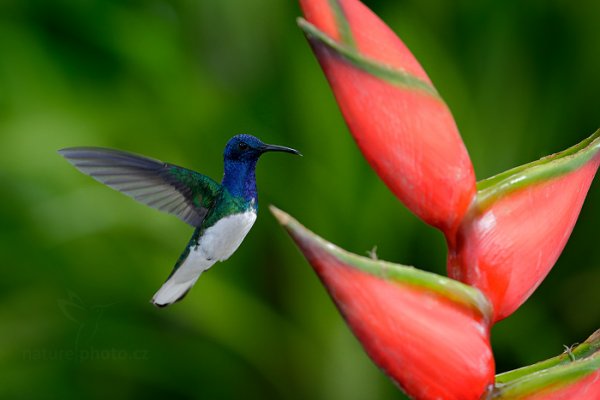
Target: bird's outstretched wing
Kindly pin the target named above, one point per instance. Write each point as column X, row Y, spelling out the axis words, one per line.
column 166, row 187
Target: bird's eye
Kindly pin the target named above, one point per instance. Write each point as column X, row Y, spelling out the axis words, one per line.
column 242, row 146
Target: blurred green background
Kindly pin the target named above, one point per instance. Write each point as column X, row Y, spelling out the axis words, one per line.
column 174, row 80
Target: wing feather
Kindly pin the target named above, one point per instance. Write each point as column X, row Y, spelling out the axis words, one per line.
column 166, row 187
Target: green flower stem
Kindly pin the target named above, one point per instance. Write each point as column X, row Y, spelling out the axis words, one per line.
column 455, row 291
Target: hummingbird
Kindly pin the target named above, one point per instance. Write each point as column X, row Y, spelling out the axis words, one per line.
column 222, row 214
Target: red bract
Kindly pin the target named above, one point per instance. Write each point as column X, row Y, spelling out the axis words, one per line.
column 402, row 126
column 520, row 224
column 430, row 334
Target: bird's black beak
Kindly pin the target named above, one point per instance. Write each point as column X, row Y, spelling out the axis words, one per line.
column 274, row 147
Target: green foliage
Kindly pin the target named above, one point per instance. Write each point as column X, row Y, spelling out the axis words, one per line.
column 174, row 80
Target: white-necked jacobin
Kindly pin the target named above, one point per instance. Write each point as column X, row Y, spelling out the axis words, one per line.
column 221, row 213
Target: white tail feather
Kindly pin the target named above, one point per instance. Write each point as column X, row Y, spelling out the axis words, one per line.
column 182, row 280
column 172, row 291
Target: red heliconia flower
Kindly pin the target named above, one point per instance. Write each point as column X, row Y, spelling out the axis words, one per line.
column 520, row 223
column 399, row 121
column 429, row 333
column 503, row 237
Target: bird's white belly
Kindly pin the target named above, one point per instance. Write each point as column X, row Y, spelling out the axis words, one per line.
column 223, row 238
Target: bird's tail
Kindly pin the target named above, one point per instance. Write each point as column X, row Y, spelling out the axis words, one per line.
column 188, row 269
column 172, row 292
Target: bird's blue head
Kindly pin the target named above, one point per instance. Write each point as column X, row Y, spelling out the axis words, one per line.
column 248, row 148
column 241, row 154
